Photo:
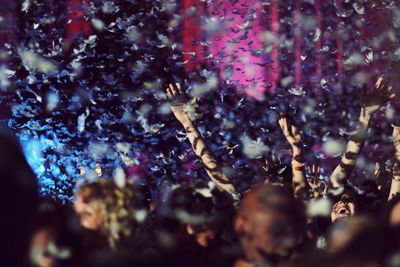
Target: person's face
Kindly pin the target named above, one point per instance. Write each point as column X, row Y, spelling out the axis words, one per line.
column 344, row 208
column 262, row 231
column 395, row 215
column 88, row 212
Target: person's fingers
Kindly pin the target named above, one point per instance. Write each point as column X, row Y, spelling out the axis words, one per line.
column 294, row 130
column 173, row 89
column 178, row 85
column 384, row 89
column 169, row 93
column 280, row 122
column 377, row 170
column 379, row 82
column 313, row 168
column 390, row 90
column 310, row 171
column 283, row 124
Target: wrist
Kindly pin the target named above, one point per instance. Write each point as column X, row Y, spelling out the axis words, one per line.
column 183, row 118
column 298, row 167
column 365, row 115
column 187, row 123
column 297, row 151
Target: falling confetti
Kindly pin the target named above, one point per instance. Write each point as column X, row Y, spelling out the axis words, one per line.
column 88, row 88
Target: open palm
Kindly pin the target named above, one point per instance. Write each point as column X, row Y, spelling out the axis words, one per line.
column 178, row 99
column 380, row 95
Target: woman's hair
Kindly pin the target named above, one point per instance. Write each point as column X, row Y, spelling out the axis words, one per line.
column 117, row 206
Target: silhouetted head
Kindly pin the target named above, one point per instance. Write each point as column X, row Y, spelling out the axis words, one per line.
column 270, row 223
column 19, row 200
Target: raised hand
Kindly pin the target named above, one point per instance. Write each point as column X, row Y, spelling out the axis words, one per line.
column 179, row 101
column 290, row 131
column 372, row 101
column 314, row 182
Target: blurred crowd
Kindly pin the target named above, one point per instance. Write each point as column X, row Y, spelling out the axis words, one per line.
column 292, row 218
column 105, row 167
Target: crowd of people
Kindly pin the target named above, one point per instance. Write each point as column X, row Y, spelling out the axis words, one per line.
column 292, row 218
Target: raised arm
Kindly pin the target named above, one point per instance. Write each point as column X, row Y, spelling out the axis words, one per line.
column 299, row 181
column 371, row 103
column 395, row 184
column 178, row 102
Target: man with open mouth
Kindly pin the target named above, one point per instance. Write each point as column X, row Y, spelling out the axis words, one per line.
column 344, row 207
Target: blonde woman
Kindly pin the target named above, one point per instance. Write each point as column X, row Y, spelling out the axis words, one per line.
column 110, row 210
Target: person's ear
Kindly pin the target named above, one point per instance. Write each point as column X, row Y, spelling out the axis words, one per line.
column 241, row 225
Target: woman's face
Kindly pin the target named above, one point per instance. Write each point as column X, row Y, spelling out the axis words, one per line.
column 88, row 212
column 344, row 208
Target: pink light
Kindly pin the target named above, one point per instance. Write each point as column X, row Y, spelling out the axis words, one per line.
column 191, row 33
column 318, row 46
column 77, row 24
column 297, row 38
column 240, row 44
column 274, row 73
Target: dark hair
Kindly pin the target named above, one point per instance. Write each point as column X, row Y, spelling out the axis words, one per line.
column 211, row 210
column 387, row 210
column 280, row 198
column 337, row 194
column 64, row 228
column 19, row 199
